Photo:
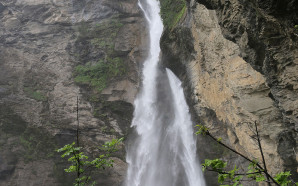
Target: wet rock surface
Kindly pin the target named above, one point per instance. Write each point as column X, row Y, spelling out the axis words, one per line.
column 238, row 62
column 42, row 45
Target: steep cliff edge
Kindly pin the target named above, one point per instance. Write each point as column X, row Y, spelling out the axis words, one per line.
column 50, row 53
column 238, row 60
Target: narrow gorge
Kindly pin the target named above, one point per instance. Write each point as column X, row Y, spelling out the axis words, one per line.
column 163, row 152
column 237, row 61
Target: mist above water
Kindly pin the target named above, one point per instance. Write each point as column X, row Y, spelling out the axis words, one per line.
column 163, row 152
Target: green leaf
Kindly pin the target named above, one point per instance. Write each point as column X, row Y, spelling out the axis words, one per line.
column 71, row 168
column 237, row 178
column 283, row 178
column 260, row 178
column 221, row 178
column 202, row 130
column 215, row 164
column 232, row 172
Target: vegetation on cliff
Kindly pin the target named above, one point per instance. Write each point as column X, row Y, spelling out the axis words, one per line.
column 97, row 73
column 172, row 11
column 30, row 143
column 41, row 46
column 35, row 94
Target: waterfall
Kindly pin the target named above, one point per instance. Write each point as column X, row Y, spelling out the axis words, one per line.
column 163, row 152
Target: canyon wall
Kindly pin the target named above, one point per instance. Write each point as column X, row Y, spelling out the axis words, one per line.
column 239, row 64
column 237, row 60
column 52, row 52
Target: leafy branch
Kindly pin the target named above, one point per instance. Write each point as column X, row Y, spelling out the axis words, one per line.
column 80, row 163
column 255, row 171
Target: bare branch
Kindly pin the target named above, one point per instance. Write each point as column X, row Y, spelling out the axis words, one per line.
column 246, row 158
column 262, row 154
column 78, row 145
column 238, row 174
column 78, row 123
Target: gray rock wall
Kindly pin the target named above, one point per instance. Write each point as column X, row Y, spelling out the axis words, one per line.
column 43, row 43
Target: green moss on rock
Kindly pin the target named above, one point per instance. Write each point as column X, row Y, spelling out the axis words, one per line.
column 35, row 94
column 99, row 74
column 172, row 11
column 30, row 143
column 99, row 71
column 37, row 143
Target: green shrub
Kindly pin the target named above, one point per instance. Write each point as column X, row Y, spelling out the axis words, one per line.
column 82, row 167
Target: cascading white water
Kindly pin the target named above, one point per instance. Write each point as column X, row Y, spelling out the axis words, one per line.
column 163, row 152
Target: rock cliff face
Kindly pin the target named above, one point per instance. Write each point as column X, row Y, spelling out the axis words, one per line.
column 238, row 60
column 50, row 53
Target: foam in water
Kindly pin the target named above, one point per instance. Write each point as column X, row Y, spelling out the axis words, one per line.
column 163, row 152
